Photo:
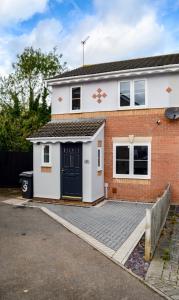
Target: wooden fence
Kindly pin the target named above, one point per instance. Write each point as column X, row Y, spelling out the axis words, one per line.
column 12, row 164
column 155, row 220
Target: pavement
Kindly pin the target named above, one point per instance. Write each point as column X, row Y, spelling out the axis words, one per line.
column 40, row 259
column 110, row 224
column 163, row 272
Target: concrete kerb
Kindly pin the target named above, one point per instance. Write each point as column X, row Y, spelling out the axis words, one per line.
column 109, row 253
column 16, row 202
column 123, row 253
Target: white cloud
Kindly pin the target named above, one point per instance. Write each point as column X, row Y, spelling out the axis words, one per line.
column 45, row 36
column 116, row 32
column 127, row 11
column 13, row 11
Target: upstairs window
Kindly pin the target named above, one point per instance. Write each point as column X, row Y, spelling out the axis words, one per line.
column 76, row 98
column 125, row 93
column 132, row 93
column 139, row 92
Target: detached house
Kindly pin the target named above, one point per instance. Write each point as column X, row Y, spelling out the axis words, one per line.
column 111, row 132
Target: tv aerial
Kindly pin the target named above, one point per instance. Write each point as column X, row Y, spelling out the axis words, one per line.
column 83, row 42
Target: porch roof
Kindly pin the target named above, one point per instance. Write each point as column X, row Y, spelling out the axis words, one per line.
column 69, row 128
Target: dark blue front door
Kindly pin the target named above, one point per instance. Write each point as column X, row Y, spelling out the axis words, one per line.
column 71, row 170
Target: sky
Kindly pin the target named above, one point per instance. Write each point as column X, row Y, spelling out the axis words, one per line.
column 118, row 29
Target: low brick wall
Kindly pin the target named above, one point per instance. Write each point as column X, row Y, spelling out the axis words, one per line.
column 155, row 220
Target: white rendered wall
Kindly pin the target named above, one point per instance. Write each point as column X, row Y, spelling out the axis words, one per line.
column 60, row 106
column 110, row 102
column 174, row 95
column 87, row 172
column 97, row 180
column 93, row 184
column 46, row 185
column 157, row 96
column 156, row 91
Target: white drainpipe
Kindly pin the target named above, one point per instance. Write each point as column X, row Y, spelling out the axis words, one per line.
column 106, row 190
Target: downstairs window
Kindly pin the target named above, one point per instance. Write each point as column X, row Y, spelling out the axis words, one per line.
column 46, row 159
column 131, row 161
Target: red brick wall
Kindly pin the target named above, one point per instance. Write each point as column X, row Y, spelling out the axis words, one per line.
column 164, row 152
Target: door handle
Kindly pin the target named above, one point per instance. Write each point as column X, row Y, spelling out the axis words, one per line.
column 62, row 170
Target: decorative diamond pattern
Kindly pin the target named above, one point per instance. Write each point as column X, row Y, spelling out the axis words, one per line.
column 104, row 95
column 99, row 95
column 60, row 99
column 168, row 89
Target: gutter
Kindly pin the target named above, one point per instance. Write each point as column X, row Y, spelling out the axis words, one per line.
column 60, row 139
column 114, row 74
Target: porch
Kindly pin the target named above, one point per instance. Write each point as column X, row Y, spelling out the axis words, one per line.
column 69, row 161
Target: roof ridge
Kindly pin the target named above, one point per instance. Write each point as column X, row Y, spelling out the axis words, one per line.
column 76, row 120
column 125, row 64
column 126, row 60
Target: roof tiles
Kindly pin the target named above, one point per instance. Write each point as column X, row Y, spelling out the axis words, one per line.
column 69, row 128
column 137, row 63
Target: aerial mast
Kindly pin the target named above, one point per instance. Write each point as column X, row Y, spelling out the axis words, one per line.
column 83, row 42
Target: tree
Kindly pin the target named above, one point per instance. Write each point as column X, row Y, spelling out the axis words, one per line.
column 24, row 97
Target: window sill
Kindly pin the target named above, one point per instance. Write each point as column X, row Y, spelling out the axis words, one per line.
column 145, row 177
column 99, row 172
column 46, row 165
column 76, row 111
column 132, row 107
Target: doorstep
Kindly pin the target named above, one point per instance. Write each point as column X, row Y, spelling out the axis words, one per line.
column 68, row 202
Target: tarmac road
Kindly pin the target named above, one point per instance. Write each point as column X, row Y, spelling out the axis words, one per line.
column 40, row 260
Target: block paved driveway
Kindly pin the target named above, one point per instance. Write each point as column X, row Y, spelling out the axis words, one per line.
column 110, row 224
column 42, row 260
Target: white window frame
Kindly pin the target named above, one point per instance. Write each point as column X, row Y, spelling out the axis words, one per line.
column 132, row 94
column 76, row 110
column 45, row 164
column 131, row 174
column 100, row 167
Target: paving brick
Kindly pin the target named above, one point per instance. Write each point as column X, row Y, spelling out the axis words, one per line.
column 110, row 224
